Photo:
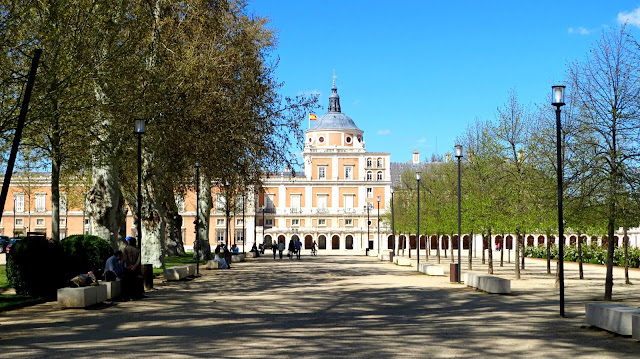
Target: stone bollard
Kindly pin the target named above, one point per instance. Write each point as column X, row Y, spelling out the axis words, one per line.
column 147, row 276
column 391, row 256
column 453, row 272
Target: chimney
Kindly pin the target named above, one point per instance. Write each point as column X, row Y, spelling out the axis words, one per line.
column 416, row 157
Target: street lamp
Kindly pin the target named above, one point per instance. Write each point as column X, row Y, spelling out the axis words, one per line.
column 139, row 130
column 459, row 157
column 367, row 208
column 418, row 224
column 243, row 238
column 393, row 225
column 378, row 225
column 196, row 243
column 558, row 102
column 226, row 192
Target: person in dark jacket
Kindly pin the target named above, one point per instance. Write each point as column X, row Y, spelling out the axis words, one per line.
column 291, row 248
column 227, row 256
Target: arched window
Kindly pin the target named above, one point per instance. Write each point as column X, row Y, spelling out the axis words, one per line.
column 379, row 163
column 379, row 176
column 369, row 176
column 369, row 162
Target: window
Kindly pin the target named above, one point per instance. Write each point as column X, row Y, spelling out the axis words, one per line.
column 180, row 203
column 220, row 236
column 19, row 203
column 219, row 221
column 369, row 192
column 369, row 176
column 19, row 222
column 41, row 202
column 348, row 201
column 348, row 139
column 295, row 222
column 322, row 200
column 321, row 139
column 348, row 222
column 322, row 172
column 271, row 200
column 295, row 201
column 268, row 222
column 348, row 172
column 86, row 221
column 322, row 222
column 239, row 237
column 40, row 222
column 369, row 162
column 379, row 163
column 63, row 203
column 379, row 176
column 239, row 222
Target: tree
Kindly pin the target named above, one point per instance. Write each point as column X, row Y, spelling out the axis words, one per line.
column 607, row 89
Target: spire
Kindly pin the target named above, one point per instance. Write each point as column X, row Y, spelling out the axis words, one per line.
column 334, row 99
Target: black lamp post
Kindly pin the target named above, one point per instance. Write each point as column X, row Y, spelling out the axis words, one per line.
column 139, row 125
column 418, row 223
column 226, row 192
column 378, row 222
column 367, row 208
column 393, row 225
column 196, row 243
column 558, row 102
column 14, row 215
column 243, row 227
column 459, row 157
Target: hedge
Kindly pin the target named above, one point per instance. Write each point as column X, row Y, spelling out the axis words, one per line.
column 590, row 254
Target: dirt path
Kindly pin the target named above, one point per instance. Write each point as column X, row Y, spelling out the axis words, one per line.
column 329, row 306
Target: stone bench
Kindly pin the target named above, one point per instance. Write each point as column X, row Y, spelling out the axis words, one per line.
column 114, row 289
column 635, row 326
column 191, row 270
column 384, row 257
column 402, row 261
column 488, row 283
column 211, row 264
column 431, row 269
column 613, row 317
column 237, row 258
column 252, row 254
column 176, row 273
column 81, row 297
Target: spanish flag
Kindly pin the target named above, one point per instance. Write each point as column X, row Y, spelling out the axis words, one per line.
column 312, row 117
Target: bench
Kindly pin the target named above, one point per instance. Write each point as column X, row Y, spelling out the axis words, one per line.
column 81, row 297
column 211, row 264
column 176, row 273
column 114, row 289
column 431, row 269
column 635, row 326
column 613, row 317
column 252, row 254
column 383, row 257
column 402, row 261
column 237, row 258
column 488, row 283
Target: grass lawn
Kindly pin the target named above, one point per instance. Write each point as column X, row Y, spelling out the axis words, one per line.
column 13, row 301
column 4, row 283
column 186, row 258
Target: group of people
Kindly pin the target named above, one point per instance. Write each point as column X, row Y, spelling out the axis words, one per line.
column 224, row 262
column 125, row 266
column 295, row 248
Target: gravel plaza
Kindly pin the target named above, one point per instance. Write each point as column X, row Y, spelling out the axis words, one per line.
column 332, row 306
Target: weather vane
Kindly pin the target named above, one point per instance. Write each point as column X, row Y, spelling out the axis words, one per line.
column 334, row 77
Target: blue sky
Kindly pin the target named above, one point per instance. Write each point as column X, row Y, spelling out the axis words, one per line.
column 414, row 74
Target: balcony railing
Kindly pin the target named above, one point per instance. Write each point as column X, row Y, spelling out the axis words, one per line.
column 349, row 210
column 322, row 210
column 268, row 210
column 295, row 210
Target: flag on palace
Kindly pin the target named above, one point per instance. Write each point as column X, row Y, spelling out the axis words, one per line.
column 312, row 117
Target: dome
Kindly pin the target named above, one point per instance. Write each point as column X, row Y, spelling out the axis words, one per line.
column 335, row 121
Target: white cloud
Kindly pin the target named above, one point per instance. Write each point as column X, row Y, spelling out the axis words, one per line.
column 356, row 102
column 632, row 17
column 384, row 132
column 579, row 30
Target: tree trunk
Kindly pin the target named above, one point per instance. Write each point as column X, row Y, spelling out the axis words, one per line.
column 173, row 242
column 153, row 217
column 625, row 241
column 105, row 205
column 517, row 253
column 483, row 248
column 438, row 248
column 470, row 250
column 451, row 246
column 608, row 284
column 490, row 250
column 580, row 256
column 548, row 254
column 55, row 200
column 502, row 243
column 524, row 250
column 206, row 202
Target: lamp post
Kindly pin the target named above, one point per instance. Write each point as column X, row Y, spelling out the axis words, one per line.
column 558, row 102
column 196, row 243
column 393, row 225
column 139, row 126
column 459, row 157
column 243, row 228
column 367, row 208
column 14, row 215
column 226, row 234
column 418, row 223
column 378, row 222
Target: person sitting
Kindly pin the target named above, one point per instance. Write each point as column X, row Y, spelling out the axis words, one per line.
column 261, row 247
column 236, row 249
column 114, row 268
column 222, row 264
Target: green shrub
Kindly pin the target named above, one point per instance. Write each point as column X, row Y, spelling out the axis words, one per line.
column 591, row 253
column 34, row 267
column 84, row 253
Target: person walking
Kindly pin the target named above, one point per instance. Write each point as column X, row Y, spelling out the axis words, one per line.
column 291, row 248
column 281, row 249
column 314, row 248
column 298, row 247
column 275, row 249
column 227, row 256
